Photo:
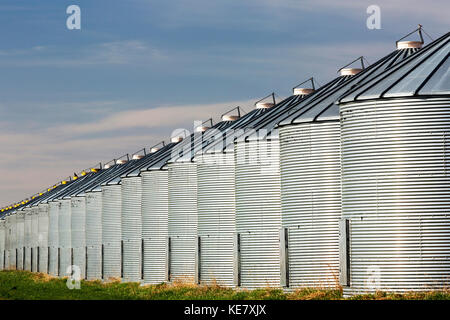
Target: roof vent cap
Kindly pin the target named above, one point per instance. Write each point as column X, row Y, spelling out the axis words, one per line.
column 350, row 71
column 121, row 161
column 302, row 91
column 154, row 149
column 201, row 129
column 264, row 105
column 229, row 117
column 137, row 156
column 176, row 139
column 409, row 45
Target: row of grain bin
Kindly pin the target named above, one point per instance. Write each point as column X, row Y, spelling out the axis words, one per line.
column 347, row 181
column 310, row 167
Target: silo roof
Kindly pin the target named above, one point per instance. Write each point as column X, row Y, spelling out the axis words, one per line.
column 425, row 74
column 245, row 123
column 321, row 106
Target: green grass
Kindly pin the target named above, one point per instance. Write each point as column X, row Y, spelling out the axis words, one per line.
column 23, row 285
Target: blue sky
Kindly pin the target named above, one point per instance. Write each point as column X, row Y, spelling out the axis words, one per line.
column 138, row 69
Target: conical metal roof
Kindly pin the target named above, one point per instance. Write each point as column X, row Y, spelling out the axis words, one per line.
column 426, row 73
column 321, row 105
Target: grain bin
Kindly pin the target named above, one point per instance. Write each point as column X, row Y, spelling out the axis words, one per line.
column 20, row 220
column 395, row 195
column 258, row 203
column 64, row 236
column 53, row 238
column 34, row 239
column 310, row 179
column 78, row 232
column 27, row 239
column 2, row 244
column 218, row 259
column 11, row 238
column 185, row 246
column 43, row 248
column 155, row 208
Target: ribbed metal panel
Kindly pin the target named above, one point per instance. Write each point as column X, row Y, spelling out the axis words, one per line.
column 112, row 231
column 53, row 237
column 34, row 238
column 27, row 238
column 9, row 243
column 395, row 191
column 43, row 237
column 183, row 221
column 2, row 244
column 311, row 201
column 131, row 228
column 258, row 212
column 20, row 220
column 64, row 237
column 155, row 210
column 94, row 235
column 78, row 221
column 216, row 218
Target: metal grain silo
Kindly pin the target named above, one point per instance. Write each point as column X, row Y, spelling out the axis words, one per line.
column 2, row 244
column 257, row 189
column 11, row 236
column 64, row 236
column 94, row 235
column 155, row 208
column 20, row 239
column 34, row 239
column 27, row 239
column 185, row 245
column 311, row 179
column 395, row 186
column 53, row 238
column 112, row 231
column 218, row 259
column 78, row 233
column 43, row 247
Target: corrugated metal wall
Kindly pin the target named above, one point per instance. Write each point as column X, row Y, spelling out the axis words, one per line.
column 10, row 235
column 112, row 231
column 20, row 220
column 78, row 221
column 131, row 228
column 53, row 237
column 258, row 212
column 216, row 218
column 155, row 210
column 94, row 235
column 43, row 237
column 64, row 237
column 311, row 201
column 183, row 221
column 395, row 192
column 27, row 239
column 2, row 244
column 34, row 238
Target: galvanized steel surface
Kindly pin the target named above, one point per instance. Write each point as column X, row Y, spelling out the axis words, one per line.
column 155, row 210
column 27, row 239
column 34, row 238
column 216, row 218
column 258, row 212
column 43, row 237
column 78, row 227
column 64, row 236
column 2, row 244
column 20, row 221
column 112, row 231
column 131, row 228
column 94, row 235
column 183, row 221
column 53, row 237
column 311, row 201
column 395, row 191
